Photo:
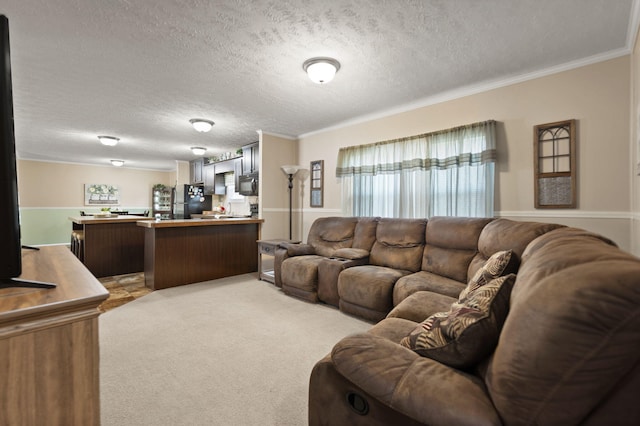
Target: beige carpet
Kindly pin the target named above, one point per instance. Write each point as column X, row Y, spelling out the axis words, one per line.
column 234, row 351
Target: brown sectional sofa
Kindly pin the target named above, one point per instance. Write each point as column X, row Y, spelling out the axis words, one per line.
column 568, row 351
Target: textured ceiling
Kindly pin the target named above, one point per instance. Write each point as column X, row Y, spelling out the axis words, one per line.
column 139, row 70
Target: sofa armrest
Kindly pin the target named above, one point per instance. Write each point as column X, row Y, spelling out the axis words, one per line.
column 328, row 271
column 351, row 253
column 420, row 388
column 299, row 249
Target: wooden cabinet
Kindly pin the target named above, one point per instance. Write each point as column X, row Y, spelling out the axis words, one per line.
column 162, row 201
column 237, row 172
column 209, row 175
column 196, row 171
column 49, row 373
column 250, row 158
column 222, row 168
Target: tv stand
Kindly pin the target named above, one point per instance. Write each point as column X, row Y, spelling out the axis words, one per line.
column 49, row 346
column 19, row 282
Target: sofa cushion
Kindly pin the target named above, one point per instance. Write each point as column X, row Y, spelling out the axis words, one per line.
column 505, row 234
column 399, row 244
column 327, row 234
column 301, row 272
column 571, row 338
column 425, row 281
column 351, row 253
column 469, row 331
column 451, row 244
column 499, row 264
column 421, row 305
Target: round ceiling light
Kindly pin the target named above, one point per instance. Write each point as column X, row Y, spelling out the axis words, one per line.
column 117, row 163
column 108, row 140
column 201, row 125
column 321, row 70
column 198, row 150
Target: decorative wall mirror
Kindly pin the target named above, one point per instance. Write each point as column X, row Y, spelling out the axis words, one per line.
column 555, row 165
column 317, row 178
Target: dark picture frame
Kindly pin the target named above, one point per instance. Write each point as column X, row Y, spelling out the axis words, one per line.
column 317, row 183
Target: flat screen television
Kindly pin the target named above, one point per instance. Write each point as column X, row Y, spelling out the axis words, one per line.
column 10, row 246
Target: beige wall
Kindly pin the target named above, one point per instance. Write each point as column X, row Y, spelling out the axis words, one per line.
column 597, row 96
column 276, row 151
column 51, row 192
column 634, row 149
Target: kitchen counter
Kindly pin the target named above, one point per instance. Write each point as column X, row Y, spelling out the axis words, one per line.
column 204, row 221
column 112, row 245
column 185, row 251
column 84, row 220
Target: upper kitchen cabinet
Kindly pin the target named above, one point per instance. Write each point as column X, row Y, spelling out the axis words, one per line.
column 196, row 171
column 209, row 175
column 250, row 159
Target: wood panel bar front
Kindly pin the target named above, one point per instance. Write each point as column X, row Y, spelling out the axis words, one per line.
column 49, row 356
column 179, row 252
column 112, row 246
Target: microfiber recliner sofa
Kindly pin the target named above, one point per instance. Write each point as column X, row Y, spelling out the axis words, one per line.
column 558, row 344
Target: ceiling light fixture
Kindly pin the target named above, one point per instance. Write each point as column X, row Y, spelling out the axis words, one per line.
column 117, row 163
column 198, row 150
column 108, row 140
column 201, row 125
column 321, row 70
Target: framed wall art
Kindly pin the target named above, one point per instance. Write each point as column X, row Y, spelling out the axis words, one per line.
column 317, row 183
column 100, row 194
column 554, row 167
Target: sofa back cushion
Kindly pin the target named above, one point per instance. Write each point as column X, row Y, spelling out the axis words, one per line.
column 399, row 244
column 365, row 233
column 572, row 333
column 504, row 234
column 451, row 244
column 328, row 234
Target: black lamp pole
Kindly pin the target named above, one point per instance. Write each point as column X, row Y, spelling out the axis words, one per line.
column 290, row 202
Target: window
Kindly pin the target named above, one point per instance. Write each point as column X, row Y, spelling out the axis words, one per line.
column 445, row 173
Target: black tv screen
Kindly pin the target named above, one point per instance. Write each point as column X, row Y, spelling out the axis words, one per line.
column 10, row 248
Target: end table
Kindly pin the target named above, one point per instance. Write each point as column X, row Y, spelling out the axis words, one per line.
column 268, row 248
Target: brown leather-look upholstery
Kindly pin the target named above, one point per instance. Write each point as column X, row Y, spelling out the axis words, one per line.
column 450, row 245
column 568, row 353
column 367, row 290
column 296, row 266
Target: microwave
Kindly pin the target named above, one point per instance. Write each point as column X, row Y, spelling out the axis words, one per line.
column 249, row 185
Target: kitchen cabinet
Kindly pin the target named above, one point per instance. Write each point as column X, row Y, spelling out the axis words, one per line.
column 209, row 174
column 221, row 168
column 237, row 172
column 250, row 158
column 196, row 171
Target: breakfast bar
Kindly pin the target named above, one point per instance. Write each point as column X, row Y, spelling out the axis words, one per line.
column 112, row 245
column 185, row 251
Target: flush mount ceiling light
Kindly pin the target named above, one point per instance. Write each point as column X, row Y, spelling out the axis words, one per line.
column 201, row 125
column 198, row 150
column 108, row 140
column 117, row 163
column 321, row 70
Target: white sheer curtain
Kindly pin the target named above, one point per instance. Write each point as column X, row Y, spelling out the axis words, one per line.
column 446, row 173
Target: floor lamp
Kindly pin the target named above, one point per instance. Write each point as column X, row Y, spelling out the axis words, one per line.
column 290, row 171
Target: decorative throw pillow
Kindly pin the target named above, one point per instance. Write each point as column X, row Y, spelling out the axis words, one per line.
column 499, row 264
column 469, row 331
